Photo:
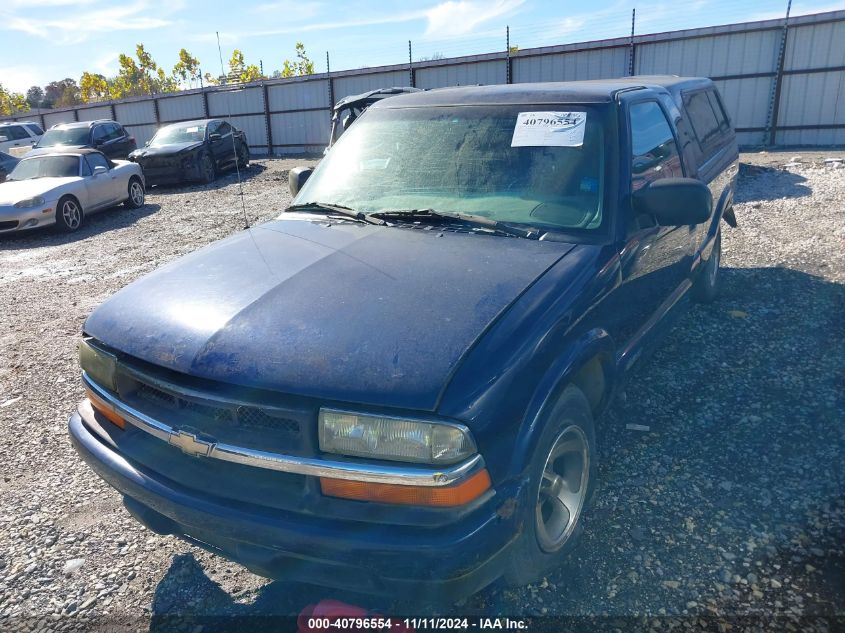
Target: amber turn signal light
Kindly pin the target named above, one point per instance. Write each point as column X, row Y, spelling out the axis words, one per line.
column 105, row 410
column 446, row 496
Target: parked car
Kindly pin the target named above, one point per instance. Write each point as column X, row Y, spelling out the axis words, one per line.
column 62, row 188
column 19, row 136
column 192, row 151
column 108, row 137
column 393, row 386
column 7, row 164
column 348, row 109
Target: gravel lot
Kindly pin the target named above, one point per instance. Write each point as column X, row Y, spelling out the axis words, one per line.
column 730, row 505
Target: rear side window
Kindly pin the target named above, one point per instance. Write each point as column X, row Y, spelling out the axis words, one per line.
column 35, row 129
column 654, row 152
column 13, row 132
column 705, row 124
column 97, row 160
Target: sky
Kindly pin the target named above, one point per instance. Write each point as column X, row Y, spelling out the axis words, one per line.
column 46, row 40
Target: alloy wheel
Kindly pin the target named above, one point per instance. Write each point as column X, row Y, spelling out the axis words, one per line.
column 563, row 488
column 71, row 214
column 136, row 192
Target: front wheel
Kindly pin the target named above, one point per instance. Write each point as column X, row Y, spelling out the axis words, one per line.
column 562, row 476
column 706, row 286
column 136, row 194
column 69, row 214
column 207, row 171
column 243, row 155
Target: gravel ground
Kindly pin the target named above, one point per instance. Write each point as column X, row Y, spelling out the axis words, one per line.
column 730, row 504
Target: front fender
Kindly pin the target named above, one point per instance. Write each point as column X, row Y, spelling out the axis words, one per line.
column 595, row 343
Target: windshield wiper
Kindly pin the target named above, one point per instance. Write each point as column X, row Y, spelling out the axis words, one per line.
column 517, row 230
column 329, row 207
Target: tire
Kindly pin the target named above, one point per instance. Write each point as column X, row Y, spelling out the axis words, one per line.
column 243, row 155
column 69, row 214
column 207, row 169
column 136, row 194
column 561, row 481
column 706, row 286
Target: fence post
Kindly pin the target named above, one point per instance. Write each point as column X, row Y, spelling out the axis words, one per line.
column 155, row 110
column 774, row 105
column 632, row 50
column 331, row 83
column 267, row 118
column 113, row 111
column 508, row 56
column 412, row 80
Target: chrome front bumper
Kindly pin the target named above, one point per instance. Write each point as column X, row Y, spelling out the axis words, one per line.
column 195, row 445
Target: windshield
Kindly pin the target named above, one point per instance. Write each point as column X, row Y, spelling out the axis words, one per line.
column 46, row 167
column 178, row 134
column 535, row 168
column 64, row 136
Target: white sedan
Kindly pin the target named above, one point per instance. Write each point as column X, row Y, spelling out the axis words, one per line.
column 62, row 188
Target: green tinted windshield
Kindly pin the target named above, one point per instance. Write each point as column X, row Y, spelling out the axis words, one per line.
column 467, row 159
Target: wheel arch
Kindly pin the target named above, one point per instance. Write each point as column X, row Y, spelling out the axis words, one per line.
column 590, row 365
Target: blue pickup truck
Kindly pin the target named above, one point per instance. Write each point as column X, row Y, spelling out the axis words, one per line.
column 393, row 386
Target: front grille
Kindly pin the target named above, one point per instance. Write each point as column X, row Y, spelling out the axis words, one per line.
column 272, row 427
column 9, row 224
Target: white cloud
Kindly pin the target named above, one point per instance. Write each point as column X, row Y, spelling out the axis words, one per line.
column 74, row 26
column 460, row 17
column 19, row 78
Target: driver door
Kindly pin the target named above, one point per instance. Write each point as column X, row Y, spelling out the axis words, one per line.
column 102, row 187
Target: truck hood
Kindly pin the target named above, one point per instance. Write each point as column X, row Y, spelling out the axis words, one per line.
column 337, row 311
column 16, row 190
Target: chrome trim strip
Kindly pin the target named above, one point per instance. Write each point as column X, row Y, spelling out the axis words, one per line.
column 367, row 472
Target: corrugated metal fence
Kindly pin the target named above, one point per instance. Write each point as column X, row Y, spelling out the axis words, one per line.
column 782, row 85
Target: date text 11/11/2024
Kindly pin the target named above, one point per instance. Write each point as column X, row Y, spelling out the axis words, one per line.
column 379, row 623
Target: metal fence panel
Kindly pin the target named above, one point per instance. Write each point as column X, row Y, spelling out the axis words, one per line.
column 135, row 112
column 239, row 101
column 484, row 73
column 356, row 84
column 811, row 137
column 92, row 114
column 255, row 128
column 746, row 100
column 711, row 56
column 818, row 97
column 142, row 133
column 181, row 108
column 54, row 118
column 300, row 129
column 589, row 64
column 302, row 95
column 815, row 45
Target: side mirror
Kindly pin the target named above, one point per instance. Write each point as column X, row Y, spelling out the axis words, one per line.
column 98, row 142
column 99, row 169
column 297, row 177
column 214, row 137
column 147, row 144
column 675, row 201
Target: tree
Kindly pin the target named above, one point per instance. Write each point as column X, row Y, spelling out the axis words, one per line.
column 12, row 102
column 93, row 87
column 301, row 66
column 187, row 69
column 236, row 65
column 35, row 96
column 62, row 93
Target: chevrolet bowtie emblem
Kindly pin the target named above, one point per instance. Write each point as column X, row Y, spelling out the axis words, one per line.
column 190, row 444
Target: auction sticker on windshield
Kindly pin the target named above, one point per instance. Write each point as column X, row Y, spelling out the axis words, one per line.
column 556, row 129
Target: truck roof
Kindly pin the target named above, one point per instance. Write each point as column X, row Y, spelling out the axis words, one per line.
column 593, row 91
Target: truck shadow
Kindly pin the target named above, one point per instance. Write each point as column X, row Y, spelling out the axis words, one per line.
column 729, row 502
column 100, row 222
column 759, row 183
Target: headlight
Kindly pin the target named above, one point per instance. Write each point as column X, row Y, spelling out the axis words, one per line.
column 399, row 439
column 30, row 202
column 98, row 364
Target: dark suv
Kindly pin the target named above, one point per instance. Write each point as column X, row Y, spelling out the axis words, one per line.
column 393, row 386
column 107, row 136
